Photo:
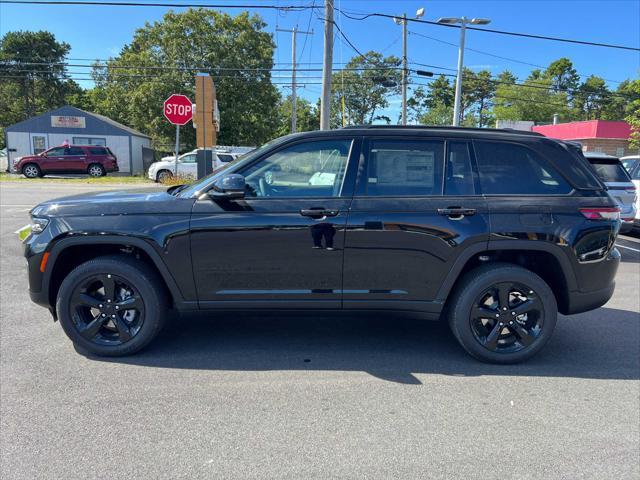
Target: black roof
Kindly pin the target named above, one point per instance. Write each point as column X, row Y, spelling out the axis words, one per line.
column 443, row 128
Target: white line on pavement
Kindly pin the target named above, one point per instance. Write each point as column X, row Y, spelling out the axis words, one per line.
column 628, row 248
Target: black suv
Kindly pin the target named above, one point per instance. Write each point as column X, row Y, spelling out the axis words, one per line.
column 493, row 230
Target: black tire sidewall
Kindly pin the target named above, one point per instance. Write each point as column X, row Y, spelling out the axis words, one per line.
column 141, row 277
column 474, row 284
column 163, row 175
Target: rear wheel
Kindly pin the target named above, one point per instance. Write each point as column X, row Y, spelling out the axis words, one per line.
column 163, row 176
column 31, row 170
column 112, row 306
column 502, row 313
column 96, row 170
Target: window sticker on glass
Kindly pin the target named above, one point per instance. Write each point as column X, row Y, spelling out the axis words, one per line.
column 394, row 166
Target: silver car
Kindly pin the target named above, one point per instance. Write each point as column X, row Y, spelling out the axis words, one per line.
column 621, row 188
column 632, row 164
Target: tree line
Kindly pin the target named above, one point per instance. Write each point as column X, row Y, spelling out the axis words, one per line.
column 163, row 57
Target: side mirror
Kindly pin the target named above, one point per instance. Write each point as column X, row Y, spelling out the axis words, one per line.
column 229, row 186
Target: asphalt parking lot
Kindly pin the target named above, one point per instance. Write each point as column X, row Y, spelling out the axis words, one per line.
column 312, row 397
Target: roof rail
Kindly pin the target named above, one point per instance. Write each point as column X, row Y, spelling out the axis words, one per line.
column 440, row 127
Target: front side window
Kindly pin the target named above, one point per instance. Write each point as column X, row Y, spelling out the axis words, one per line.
column 56, row 152
column 188, row 159
column 512, row 169
column 404, row 168
column 310, row 169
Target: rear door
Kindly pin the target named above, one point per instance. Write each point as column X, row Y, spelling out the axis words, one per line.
column 404, row 234
column 74, row 160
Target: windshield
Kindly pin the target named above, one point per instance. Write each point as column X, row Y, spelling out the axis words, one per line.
column 204, row 182
column 609, row 170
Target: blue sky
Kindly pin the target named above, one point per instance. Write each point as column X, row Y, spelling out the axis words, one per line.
column 100, row 32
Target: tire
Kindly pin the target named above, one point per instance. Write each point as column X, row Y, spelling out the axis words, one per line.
column 163, row 175
column 479, row 321
column 96, row 170
column 148, row 300
column 31, row 170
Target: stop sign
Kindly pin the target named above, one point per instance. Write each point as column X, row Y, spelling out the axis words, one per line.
column 178, row 109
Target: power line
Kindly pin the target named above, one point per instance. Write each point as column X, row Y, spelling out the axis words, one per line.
column 499, row 32
column 163, row 4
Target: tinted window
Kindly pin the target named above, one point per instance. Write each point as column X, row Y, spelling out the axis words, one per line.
column 459, row 174
column 56, row 152
column 512, row 169
column 405, row 167
column 97, row 151
column 310, row 169
column 224, row 157
column 609, row 170
column 74, row 151
column 629, row 164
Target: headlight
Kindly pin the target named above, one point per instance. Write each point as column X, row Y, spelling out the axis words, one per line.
column 39, row 224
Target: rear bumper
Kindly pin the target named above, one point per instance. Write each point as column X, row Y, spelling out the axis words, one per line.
column 584, row 300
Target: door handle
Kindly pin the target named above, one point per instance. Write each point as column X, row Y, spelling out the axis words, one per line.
column 318, row 212
column 457, row 213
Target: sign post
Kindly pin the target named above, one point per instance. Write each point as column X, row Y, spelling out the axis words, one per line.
column 178, row 109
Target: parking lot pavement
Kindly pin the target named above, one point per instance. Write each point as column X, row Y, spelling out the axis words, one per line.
column 313, row 397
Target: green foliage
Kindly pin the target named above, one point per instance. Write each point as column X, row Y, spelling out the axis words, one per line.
column 226, row 47
column 633, row 113
column 365, row 90
column 33, row 77
column 308, row 116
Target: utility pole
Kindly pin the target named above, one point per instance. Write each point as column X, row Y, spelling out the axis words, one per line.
column 294, row 97
column 327, row 65
column 405, row 72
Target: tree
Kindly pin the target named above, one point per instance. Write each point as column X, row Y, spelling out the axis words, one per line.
column 308, row 118
column 365, row 84
column 592, row 98
column 33, row 75
column 433, row 105
column 480, row 91
column 633, row 113
column 161, row 60
column 562, row 75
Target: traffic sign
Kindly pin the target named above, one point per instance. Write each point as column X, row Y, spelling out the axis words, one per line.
column 178, row 109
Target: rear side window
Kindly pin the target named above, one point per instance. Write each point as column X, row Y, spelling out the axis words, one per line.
column 512, row 169
column 97, row 151
column 609, row 170
column 405, row 167
column 459, row 178
column 224, row 157
column 76, row 151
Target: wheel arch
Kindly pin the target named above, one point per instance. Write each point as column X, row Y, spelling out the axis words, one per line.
column 547, row 261
column 71, row 252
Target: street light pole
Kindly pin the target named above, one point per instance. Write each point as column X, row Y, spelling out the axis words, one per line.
column 463, row 25
column 458, row 95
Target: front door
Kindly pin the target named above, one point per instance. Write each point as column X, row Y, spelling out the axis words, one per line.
column 412, row 215
column 53, row 161
column 281, row 246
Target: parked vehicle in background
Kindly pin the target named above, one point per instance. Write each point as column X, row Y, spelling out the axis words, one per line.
column 95, row 160
column 494, row 231
column 632, row 164
column 187, row 165
column 621, row 188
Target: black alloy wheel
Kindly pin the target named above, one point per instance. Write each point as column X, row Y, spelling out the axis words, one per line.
column 107, row 310
column 507, row 317
column 113, row 305
column 502, row 313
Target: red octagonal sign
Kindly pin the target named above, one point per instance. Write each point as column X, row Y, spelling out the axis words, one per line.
column 178, row 109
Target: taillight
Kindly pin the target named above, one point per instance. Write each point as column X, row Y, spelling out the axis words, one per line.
column 601, row 213
column 630, row 190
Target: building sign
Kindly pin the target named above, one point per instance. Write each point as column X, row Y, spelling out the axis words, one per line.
column 67, row 121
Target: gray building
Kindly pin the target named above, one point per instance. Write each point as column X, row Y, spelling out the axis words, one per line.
column 77, row 127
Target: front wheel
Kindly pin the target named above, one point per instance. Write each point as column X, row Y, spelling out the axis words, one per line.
column 112, row 305
column 31, row 170
column 502, row 313
column 164, row 176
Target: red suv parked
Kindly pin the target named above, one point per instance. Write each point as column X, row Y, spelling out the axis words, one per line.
column 92, row 159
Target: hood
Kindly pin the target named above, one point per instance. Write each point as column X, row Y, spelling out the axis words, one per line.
column 26, row 157
column 128, row 202
column 162, row 164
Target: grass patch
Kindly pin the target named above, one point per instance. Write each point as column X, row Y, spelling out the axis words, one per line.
column 5, row 177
